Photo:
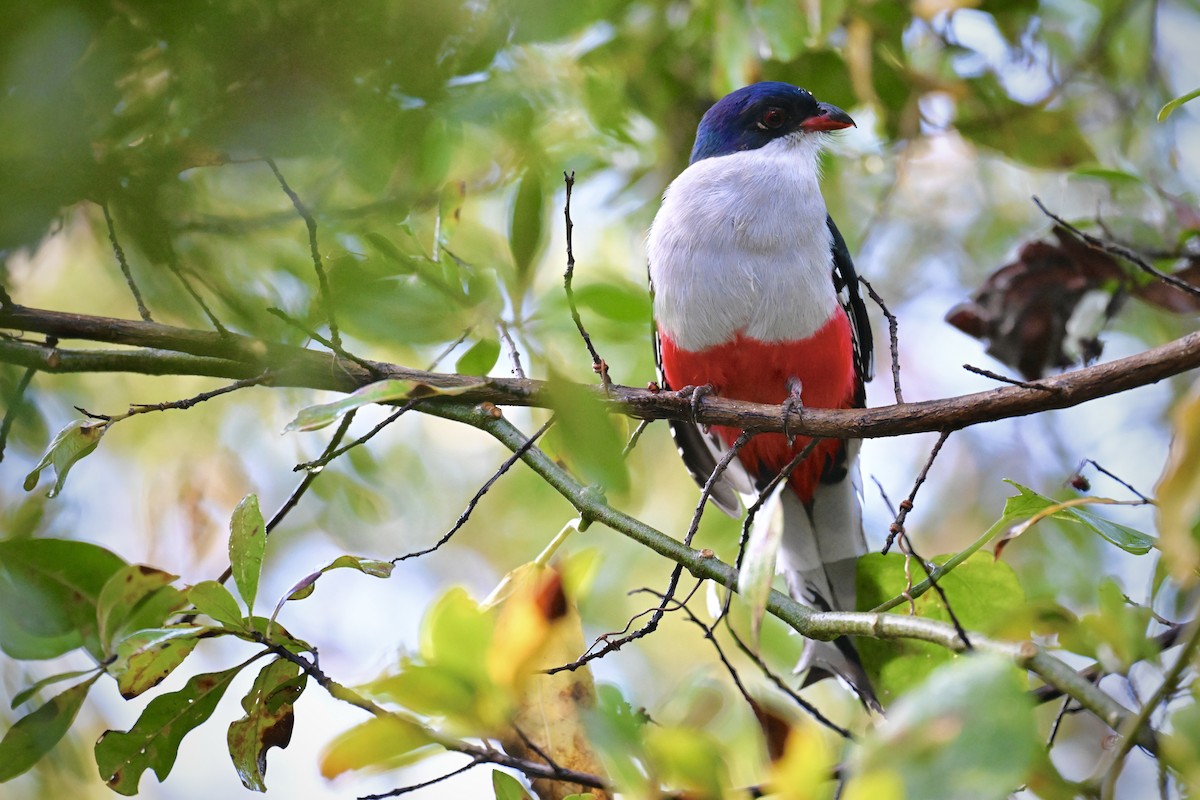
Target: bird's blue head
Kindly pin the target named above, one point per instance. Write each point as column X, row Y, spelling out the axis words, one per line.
column 759, row 114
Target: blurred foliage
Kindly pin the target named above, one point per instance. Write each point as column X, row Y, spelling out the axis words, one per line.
column 429, row 142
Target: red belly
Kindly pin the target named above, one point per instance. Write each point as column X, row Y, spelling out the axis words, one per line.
column 758, row 372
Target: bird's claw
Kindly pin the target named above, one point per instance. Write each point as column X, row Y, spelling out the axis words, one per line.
column 792, row 403
column 696, row 395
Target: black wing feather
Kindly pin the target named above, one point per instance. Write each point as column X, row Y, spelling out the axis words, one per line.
column 845, row 281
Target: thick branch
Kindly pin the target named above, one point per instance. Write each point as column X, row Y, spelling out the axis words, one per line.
column 238, row 357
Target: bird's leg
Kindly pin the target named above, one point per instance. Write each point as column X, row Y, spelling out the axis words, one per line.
column 793, row 403
column 696, row 394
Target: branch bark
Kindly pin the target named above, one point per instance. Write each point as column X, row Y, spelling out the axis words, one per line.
column 168, row 350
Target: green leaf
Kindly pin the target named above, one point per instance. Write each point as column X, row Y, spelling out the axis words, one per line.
column 380, row 743
column 36, row 733
column 69, row 445
column 135, row 597
column 145, row 658
column 1108, row 175
column 590, row 438
column 983, row 592
column 308, row 584
column 1170, row 107
column 526, row 225
column 214, row 600
column 619, row 301
column 315, row 417
column 1115, row 635
column 48, row 594
column 1029, row 503
column 247, row 547
column 479, row 359
column 967, row 731
column 507, row 787
column 24, row 695
column 268, row 721
column 618, row 733
column 153, row 741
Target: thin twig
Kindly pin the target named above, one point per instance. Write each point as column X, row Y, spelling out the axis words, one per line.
column 598, row 364
column 366, row 437
column 635, row 437
column 335, row 346
column 322, row 279
column 668, row 596
column 1127, row 485
column 119, row 252
column 474, row 501
column 893, row 335
column 808, row 707
column 514, row 355
column 996, row 376
column 14, row 406
column 474, row 762
column 1121, row 252
column 1058, row 718
column 448, row 349
column 146, row 408
column 177, row 270
column 1092, row 674
column 897, row 527
column 302, row 487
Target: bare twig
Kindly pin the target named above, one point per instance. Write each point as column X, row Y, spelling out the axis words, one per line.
column 302, row 487
column 474, row 762
column 635, row 437
column 15, row 401
column 996, row 376
column 897, row 527
column 322, row 279
column 145, row 408
column 1127, row 485
column 598, row 364
column 893, row 336
column 1120, row 251
column 119, row 252
column 317, row 463
column 177, row 270
column 333, row 344
column 474, row 501
column 808, row 707
column 514, row 354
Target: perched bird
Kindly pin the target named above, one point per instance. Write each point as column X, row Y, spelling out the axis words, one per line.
column 756, row 298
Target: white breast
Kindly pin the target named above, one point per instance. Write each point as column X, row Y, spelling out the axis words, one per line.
column 740, row 244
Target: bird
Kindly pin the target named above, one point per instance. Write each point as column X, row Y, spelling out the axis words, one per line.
column 756, row 298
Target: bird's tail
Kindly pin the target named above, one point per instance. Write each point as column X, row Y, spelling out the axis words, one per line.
column 818, row 554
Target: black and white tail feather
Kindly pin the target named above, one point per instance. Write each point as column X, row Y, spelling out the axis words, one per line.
column 820, row 546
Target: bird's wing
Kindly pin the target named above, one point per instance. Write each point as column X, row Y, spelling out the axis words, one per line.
column 845, row 280
column 702, row 451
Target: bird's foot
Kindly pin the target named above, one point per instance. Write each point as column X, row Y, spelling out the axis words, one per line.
column 697, row 394
column 792, row 403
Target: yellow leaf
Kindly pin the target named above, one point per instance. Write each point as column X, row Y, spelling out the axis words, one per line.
column 538, row 628
column 881, row 784
column 380, row 743
column 1178, row 495
column 805, row 772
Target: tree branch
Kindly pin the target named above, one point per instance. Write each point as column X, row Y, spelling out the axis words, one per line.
column 239, row 357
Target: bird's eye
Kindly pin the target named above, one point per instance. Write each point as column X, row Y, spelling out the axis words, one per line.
column 773, row 118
